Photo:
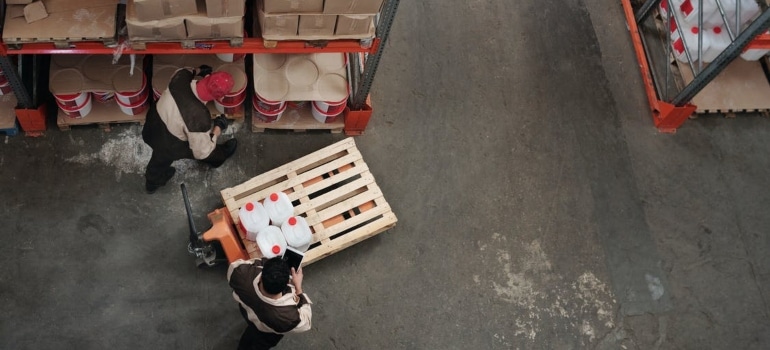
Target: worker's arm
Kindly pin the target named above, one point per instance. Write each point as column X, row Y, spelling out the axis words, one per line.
column 305, row 312
column 235, row 264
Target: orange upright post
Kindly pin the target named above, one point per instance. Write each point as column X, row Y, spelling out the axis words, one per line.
column 356, row 121
column 32, row 121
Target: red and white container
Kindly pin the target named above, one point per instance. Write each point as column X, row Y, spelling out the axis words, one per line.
column 718, row 41
column 690, row 43
column 325, row 113
column 128, row 96
column 72, row 100
column 271, row 242
column 229, row 57
column 297, row 233
column 267, row 112
column 135, row 108
column 231, row 108
column 279, row 208
column 5, row 88
column 253, row 218
column 103, row 96
column 156, row 94
column 296, row 104
column 78, row 111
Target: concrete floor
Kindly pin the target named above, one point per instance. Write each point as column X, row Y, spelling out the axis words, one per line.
column 538, row 209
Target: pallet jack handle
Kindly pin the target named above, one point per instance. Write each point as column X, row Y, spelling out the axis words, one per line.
column 194, row 239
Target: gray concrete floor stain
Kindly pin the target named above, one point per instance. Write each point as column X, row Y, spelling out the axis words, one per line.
column 538, row 209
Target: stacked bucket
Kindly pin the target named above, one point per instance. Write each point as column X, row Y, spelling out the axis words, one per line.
column 130, row 99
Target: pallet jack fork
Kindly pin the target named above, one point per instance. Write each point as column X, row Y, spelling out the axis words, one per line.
column 208, row 247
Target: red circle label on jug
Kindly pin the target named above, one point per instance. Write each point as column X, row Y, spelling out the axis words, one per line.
column 274, row 197
column 276, row 249
column 292, row 221
column 249, row 206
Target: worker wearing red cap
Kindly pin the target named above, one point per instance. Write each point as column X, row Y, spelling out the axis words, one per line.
column 179, row 125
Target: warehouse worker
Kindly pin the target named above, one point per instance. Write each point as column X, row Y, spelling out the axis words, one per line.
column 179, row 125
column 271, row 304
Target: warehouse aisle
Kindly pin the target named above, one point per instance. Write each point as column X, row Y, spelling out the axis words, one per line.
column 538, row 209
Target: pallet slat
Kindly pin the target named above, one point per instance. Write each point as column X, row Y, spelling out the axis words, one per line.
column 332, row 215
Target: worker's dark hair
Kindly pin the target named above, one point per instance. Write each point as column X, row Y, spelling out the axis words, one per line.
column 275, row 275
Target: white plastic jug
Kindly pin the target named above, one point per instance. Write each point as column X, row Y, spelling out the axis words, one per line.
column 718, row 41
column 253, row 218
column 271, row 242
column 297, row 233
column 689, row 11
column 749, row 10
column 690, row 43
column 279, row 207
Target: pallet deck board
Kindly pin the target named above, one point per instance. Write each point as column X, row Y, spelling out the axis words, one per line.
column 741, row 87
column 101, row 113
column 337, row 218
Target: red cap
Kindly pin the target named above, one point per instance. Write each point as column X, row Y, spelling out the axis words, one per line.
column 249, row 206
column 276, row 249
column 292, row 221
column 274, row 197
column 214, row 86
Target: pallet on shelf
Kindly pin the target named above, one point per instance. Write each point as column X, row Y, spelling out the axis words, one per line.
column 332, row 188
column 64, row 28
column 8, row 124
column 186, row 43
column 297, row 120
column 103, row 114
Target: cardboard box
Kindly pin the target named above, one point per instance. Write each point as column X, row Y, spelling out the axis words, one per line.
column 278, row 25
column 17, row 2
column 293, row 6
column 35, row 12
column 225, row 8
column 202, row 27
column 57, row 6
column 166, row 29
column 150, row 10
column 353, row 24
column 15, row 11
column 339, row 7
column 313, row 25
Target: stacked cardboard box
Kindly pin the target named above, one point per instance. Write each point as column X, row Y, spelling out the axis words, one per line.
column 63, row 21
column 317, row 19
column 168, row 20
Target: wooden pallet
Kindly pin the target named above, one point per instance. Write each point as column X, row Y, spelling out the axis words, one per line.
column 103, row 114
column 297, row 120
column 12, row 131
column 139, row 44
column 332, row 188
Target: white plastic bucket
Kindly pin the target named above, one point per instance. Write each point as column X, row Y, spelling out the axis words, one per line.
column 134, row 108
column 266, row 112
column 253, row 218
column 72, row 100
column 129, row 98
column 77, row 111
column 754, row 54
column 327, row 115
column 271, row 242
column 279, row 207
column 297, row 233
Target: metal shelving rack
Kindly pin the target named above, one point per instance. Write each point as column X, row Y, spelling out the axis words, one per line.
column 23, row 73
column 671, row 106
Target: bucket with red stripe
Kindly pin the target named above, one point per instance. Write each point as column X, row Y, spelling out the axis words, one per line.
column 135, row 108
column 231, row 106
column 131, row 97
column 267, row 112
column 79, row 111
column 3, row 78
column 103, row 96
column 5, row 88
column 326, row 114
column 72, row 100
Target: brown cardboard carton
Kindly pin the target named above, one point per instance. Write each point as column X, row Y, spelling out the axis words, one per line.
column 353, row 24
column 352, row 6
column 57, row 6
column 293, row 6
column 15, row 11
column 17, row 2
column 202, row 27
column 225, row 8
column 149, row 10
column 35, row 12
column 313, row 25
column 166, row 29
column 282, row 26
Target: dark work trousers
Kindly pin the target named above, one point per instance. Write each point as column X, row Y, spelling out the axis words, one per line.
column 254, row 339
column 166, row 148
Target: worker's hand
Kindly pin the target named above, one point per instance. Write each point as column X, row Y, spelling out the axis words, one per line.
column 221, row 122
column 204, row 70
column 296, row 279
